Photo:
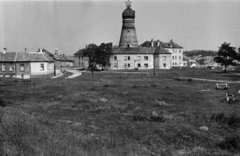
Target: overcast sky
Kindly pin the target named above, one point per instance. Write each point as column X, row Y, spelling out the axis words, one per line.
column 70, row 25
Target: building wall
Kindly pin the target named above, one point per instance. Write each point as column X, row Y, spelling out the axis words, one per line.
column 177, row 56
column 131, row 61
column 163, row 61
column 7, row 70
column 23, row 73
column 80, row 61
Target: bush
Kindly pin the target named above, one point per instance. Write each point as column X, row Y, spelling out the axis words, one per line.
column 231, row 142
column 232, row 121
column 3, row 103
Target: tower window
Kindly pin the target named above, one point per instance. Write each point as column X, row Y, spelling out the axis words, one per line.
column 145, row 58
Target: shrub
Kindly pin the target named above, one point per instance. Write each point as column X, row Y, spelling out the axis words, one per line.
column 231, row 142
column 232, row 121
column 3, row 103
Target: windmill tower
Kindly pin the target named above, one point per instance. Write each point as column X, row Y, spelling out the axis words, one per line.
column 128, row 36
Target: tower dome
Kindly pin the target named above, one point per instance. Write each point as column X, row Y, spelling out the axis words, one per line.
column 128, row 13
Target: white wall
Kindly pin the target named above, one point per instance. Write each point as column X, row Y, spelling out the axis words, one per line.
column 177, row 56
column 121, row 63
column 36, row 68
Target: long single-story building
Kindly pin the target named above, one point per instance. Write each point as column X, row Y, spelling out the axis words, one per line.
column 26, row 64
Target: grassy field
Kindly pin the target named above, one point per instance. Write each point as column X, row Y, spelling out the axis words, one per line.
column 119, row 114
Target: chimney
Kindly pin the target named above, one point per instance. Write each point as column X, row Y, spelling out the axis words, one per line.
column 56, row 51
column 4, row 50
column 152, row 43
column 158, row 43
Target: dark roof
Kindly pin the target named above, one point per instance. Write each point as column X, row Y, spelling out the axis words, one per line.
column 79, row 52
column 140, row 50
column 170, row 44
column 8, row 56
column 25, row 57
column 133, row 50
column 161, row 51
column 49, row 53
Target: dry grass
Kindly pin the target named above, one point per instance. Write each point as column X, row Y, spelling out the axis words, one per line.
column 141, row 114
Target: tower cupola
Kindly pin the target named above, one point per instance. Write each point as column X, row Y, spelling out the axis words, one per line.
column 128, row 36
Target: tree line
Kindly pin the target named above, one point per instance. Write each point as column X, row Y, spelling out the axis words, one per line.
column 200, row 52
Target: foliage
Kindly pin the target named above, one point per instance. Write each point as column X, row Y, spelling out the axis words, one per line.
column 231, row 142
column 98, row 55
column 201, row 61
column 232, row 121
column 202, row 53
column 103, row 54
column 227, row 55
column 90, row 52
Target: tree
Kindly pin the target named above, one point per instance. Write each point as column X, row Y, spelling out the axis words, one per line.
column 98, row 55
column 201, row 61
column 227, row 56
column 103, row 53
column 90, row 52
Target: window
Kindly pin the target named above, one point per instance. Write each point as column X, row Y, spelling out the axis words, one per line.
column 175, row 57
column 3, row 67
column 139, row 58
column 145, row 58
column 125, row 58
column 22, row 69
column 125, row 65
column 139, row 65
column 115, row 58
column 172, row 57
column 128, row 65
column 164, row 58
column 115, row 65
column 128, row 57
column 173, row 63
column 179, row 51
column 145, row 65
column 42, row 67
column 79, row 57
column 11, row 68
column 82, row 57
column 164, row 65
column 179, row 57
column 82, row 63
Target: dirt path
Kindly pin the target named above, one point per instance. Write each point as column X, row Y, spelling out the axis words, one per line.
column 210, row 80
column 75, row 73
